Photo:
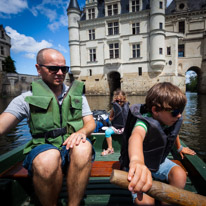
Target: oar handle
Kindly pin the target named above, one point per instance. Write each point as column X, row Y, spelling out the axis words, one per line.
column 161, row 191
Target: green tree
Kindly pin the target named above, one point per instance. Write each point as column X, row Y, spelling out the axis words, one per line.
column 8, row 65
column 192, row 84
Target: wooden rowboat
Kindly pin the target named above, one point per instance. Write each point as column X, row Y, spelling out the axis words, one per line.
column 16, row 187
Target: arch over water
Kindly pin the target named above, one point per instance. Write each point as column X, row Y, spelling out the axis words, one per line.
column 198, row 71
column 113, row 81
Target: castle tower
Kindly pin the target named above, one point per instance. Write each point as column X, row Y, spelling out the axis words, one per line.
column 73, row 13
column 157, row 35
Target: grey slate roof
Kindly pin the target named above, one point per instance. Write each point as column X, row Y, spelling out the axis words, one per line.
column 193, row 5
column 124, row 7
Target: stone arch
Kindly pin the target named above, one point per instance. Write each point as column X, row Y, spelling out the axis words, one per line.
column 114, row 81
column 197, row 70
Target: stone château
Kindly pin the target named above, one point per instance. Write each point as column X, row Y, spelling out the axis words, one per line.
column 133, row 44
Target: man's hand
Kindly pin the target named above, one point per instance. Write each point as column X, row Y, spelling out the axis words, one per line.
column 75, row 139
column 140, row 178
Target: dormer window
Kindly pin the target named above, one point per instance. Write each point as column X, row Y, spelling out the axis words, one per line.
column 91, row 13
column 112, row 9
column 135, row 5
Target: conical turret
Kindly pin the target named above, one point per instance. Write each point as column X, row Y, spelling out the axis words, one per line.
column 73, row 13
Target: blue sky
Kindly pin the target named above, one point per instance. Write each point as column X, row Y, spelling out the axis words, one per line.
column 33, row 25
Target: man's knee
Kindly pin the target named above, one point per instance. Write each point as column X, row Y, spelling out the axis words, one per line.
column 81, row 154
column 47, row 163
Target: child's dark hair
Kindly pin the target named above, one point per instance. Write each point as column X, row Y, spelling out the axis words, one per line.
column 165, row 96
column 121, row 93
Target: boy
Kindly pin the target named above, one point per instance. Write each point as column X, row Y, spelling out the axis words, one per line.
column 156, row 129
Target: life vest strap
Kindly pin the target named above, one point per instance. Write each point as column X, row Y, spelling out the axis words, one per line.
column 52, row 133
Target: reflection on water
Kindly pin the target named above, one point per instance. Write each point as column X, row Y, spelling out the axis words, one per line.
column 192, row 132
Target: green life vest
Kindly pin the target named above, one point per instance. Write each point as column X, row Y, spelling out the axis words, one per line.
column 50, row 122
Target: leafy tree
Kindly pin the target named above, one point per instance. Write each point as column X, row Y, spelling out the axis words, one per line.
column 8, row 65
column 192, row 84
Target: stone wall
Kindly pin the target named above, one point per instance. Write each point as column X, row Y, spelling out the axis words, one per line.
column 12, row 84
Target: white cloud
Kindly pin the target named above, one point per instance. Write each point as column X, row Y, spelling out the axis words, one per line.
column 30, row 56
column 27, row 44
column 51, row 9
column 62, row 48
column 62, row 21
column 12, row 6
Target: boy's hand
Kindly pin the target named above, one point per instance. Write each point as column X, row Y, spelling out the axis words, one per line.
column 140, row 178
column 187, row 150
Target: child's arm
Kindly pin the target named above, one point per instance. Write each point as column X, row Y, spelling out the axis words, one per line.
column 139, row 175
column 183, row 150
column 111, row 115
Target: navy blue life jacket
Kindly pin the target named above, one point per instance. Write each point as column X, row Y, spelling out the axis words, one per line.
column 120, row 115
column 157, row 143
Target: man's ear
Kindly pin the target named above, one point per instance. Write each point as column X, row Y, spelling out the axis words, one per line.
column 38, row 69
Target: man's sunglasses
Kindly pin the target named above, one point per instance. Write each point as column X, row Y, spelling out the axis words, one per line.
column 55, row 69
column 175, row 112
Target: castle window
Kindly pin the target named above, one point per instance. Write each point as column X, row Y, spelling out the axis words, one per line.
column 92, row 55
column 161, row 25
column 114, row 51
column 113, row 28
column 160, row 51
column 168, row 50
column 140, row 71
column 135, row 28
column 2, row 35
column 135, row 5
column 181, row 6
column 182, row 27
column 161, row 5
column 2, row 50
column 181, row 50
column 91, row 13
column 136, row 50
column 112, row 9
column 90, row 72
column 91, row 34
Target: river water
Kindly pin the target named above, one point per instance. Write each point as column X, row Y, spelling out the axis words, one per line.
column 192, row 131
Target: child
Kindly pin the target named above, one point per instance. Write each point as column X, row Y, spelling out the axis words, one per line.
column 118, row 117
column 156, row 129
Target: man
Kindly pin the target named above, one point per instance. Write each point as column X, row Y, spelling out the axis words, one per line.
column 60, row 120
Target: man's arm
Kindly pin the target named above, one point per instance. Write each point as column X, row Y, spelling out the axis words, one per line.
column 86, row 130
column 7, row 122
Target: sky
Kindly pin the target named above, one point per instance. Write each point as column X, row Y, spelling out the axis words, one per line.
column 33, row 25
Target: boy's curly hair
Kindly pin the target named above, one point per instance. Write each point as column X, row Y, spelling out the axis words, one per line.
column 165, row 96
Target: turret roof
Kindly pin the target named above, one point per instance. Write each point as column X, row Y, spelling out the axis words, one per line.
column 73, row 4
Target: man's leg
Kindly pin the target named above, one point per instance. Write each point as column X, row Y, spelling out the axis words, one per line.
column 47, row 176
column 78, row 172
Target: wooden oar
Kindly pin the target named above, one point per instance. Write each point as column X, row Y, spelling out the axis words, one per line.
column 161, row 191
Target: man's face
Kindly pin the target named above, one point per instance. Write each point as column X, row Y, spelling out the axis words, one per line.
column 52, row 58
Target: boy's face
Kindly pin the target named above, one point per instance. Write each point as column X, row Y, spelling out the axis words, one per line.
column 165, row 117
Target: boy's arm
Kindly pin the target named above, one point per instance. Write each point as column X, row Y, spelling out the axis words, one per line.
column 7, row 122
column 139, row 175
column 183, row 150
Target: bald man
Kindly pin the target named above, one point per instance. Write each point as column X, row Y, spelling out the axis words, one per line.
column 60, row 120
